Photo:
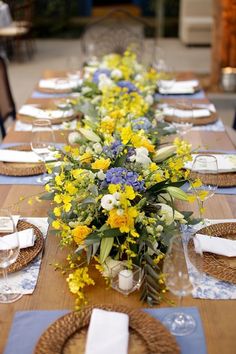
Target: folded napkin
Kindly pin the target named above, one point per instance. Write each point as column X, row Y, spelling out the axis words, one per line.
column 225, row 162
column 178, row 87
column 108, row 333
column 217, row 245
column 181, row 113
column 18, row 156
column 32, row 111
column 26, row 239
column 58, row 84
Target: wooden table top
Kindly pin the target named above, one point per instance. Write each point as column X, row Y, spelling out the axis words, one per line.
column 218, row 316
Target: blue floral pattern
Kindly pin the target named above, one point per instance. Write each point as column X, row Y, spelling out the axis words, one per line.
column 25, row 281
column 212, row 288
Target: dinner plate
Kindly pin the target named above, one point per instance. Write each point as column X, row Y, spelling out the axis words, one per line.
column 68, row 334
column 21, row 169
column 26, row 255
column 220, row 267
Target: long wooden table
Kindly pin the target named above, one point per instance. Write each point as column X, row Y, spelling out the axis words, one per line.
column 218, row 316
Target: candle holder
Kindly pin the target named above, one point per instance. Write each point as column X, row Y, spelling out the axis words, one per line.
column 125, row 279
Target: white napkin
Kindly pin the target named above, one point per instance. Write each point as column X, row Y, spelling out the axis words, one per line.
column 32, row 111
column 26, row 239
column 181, row 113
column 225, row 162
column 58, row 84
column 108, row 333
column 178, row 87
column 23, row 156
column 217, row 245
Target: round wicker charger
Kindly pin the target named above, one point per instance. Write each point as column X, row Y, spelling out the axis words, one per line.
column 227, row 179
column 195, row 121
column 220, row 267
column 26, row 255
column 31, row 120
column 21, row 169
column 68, row 334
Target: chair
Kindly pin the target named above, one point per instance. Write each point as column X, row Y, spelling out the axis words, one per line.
column 20, row 30
column 113, row 33
column 7, row 104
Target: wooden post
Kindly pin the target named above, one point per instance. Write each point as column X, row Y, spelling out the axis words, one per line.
column 224, row 38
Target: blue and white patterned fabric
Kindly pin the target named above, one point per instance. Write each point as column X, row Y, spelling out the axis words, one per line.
column 209, row 287
column 25, row 281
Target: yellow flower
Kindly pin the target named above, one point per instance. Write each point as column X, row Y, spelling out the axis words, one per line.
column 126, row 134
column 56, row 224
column 80, row 233
column 57, row 211
column 129, row 192
column 76, row 173
column 124, row 221
column 86, row 157
column 113, row 188
column 101, row 164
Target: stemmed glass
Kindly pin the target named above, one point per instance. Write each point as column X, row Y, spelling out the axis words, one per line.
column 180, row 282
column 43, row 144
column 73, row 67
column 9, row 251
column 166, row 78
column 204, row 168
column 183, row 116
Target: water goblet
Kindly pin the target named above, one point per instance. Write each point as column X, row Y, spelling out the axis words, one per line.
column 43, row 144
column 182, row 117
column 180, row 282
column 166, row 77
column 204, row 168
column 9, row 251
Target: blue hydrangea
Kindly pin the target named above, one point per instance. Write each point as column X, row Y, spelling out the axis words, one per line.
column 122, row 176
column 98, row 72
column 141, row 123
column 127, row 84
column 114, row 149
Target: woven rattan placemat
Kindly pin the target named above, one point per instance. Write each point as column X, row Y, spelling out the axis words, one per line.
column 21, row 169
column 26, row 255
column 68, row 334
column 220, row 267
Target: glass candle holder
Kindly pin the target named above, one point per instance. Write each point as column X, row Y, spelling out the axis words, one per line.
column 126, row 280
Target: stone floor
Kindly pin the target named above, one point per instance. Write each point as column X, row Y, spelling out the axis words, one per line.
column 54, row 54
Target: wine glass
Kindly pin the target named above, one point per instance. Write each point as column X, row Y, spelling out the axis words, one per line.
column 182, row 117
column 43, row 144
column 180, row 256
column 73, row 67
column 205, row 171
column 9, row 251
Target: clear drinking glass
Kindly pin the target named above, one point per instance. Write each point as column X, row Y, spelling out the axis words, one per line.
column 9, row 251
column 182, row 117
column 43, row 144
column 73, row 69
column 180, row 282
column 166, row 77
column 205, row 168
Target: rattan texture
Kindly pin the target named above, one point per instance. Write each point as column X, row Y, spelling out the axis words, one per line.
column 220, row 267
column 212, row 118
column 226, row 179
column 21, row 169
column 26, row 255
column 68, row 334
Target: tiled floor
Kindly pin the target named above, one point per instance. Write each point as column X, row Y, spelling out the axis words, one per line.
column 54, row 54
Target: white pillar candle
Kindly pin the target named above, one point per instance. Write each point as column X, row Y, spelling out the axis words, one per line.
column 126, row 279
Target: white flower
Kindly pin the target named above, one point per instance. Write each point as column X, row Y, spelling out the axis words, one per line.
column 74, row 138
column 108, row 202
column 116, row 74
column 111, row 267
column 104, row 82
column 101, row 175
column 138, row 77
column 141, row 156
column 168, row 215
column 149, row 99
column 86, row 89
column 97, row 147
